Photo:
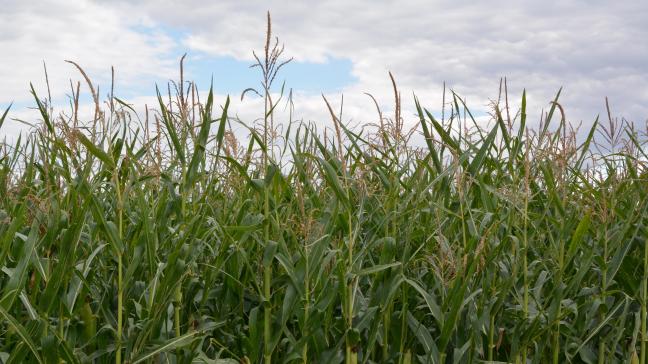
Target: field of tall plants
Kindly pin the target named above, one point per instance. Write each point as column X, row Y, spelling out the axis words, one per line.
column 165, row 238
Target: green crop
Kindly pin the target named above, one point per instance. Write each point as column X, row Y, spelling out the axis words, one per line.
column 168, row 240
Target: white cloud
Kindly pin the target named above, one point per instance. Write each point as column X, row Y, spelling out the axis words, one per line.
column 592, row 48
column 95, row 36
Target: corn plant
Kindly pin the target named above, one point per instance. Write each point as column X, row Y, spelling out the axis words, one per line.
column 170, row 237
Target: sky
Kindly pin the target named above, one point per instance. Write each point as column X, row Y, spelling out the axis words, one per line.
column 593, row 49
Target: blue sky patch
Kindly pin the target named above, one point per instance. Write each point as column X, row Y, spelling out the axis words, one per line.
column 232, row 76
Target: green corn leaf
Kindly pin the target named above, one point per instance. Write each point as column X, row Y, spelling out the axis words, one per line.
column 169, row 345
column 22, row 332
column 96, row 151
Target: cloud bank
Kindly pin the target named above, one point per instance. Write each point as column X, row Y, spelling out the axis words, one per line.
column 593, row 49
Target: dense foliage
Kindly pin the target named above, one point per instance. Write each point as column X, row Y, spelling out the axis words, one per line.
column 173, row 242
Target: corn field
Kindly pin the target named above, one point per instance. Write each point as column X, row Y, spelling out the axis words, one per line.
column 164, row 238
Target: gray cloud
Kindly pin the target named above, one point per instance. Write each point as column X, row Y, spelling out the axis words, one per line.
column 592, row 48
column 95, row 36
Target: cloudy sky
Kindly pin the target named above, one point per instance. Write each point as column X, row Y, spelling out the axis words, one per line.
column 591, row 48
